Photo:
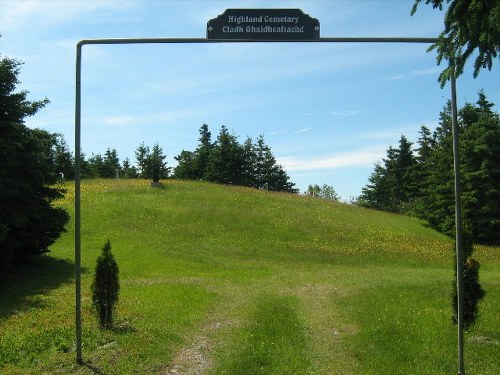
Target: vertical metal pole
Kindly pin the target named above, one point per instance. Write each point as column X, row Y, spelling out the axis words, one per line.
column 77, row 206
column 458, row 229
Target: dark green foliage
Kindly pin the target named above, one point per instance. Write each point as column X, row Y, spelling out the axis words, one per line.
column 105, row 287
column 422, row 184
column 480, row 171
column 110, row 164
column 480, row 153
column 29, row 223
column 473, row 292
column 228, row 162
column 392, row 186
column 148, row 159
column 63, row 159
column 470, row 26
column 128, row 170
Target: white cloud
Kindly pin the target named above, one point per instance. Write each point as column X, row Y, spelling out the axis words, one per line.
column 396, row 77
column 363, row 157
column 419, row 72
column 430, row 71
column 304, row 130
column 346, row 113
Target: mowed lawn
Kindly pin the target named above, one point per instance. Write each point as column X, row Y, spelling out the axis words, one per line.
column 229, row 280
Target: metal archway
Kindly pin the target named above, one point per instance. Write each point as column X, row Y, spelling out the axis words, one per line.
column 458, row 208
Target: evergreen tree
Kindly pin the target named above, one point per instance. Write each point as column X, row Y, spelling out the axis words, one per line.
column 185, row 168
column 142, row 155
column 405, row 172
column 480, row 156
column 29, row 223
column 473, row 291
column 470, row 27
column 157, row 160
column 128, row 169
column 264, row 167
column 95, row 166
column 226, row 160
column 420, row 174
column 105, row 287
column 377, row 193
column 110, row 164
column 249, row 169
column 439, row 196
column 267, row 173
column 203, row 153
column 480, row 171
column 85, row 168
column 63, row 159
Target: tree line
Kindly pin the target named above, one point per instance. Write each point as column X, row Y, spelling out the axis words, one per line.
column 108, row 165
column 420, row 182
column 224, row 161
column 227, row 161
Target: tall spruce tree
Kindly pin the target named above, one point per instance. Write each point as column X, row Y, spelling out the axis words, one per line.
column 392, row 185
column 226, row 160
column 185, row 168
column 480, row 155
column 63, row 159
column 157, row 160
column 142, row 154
column 95, row 166
column 203, row 153
column 29, row 223
column 110, row 164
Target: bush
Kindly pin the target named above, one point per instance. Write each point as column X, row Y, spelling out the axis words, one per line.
column 105, row 287
column 473, row 292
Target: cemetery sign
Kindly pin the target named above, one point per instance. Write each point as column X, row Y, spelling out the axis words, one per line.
column 263, row 24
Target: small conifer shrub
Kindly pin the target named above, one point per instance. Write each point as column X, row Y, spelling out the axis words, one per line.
column 473, row 291
column 105, row 287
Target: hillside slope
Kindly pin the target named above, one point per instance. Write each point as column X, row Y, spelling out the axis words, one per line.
column 218, row 279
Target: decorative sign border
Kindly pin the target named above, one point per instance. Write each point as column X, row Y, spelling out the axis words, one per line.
column 263, row 24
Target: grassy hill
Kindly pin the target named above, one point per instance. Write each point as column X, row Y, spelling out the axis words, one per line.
column 230, row 280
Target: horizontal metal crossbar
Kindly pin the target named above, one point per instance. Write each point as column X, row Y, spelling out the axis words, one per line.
column 204, row 40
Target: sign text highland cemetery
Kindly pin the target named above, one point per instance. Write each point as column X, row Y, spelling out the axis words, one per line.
column 263, row 24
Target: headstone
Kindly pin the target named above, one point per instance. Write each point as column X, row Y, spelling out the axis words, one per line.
column 155, row 172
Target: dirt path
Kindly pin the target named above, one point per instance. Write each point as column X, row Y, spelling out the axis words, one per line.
column 192, row 360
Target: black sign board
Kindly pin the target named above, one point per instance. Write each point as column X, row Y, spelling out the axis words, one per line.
column 263, row 24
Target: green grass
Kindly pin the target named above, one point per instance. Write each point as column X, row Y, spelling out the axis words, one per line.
column 273, row 342
column 229, row 280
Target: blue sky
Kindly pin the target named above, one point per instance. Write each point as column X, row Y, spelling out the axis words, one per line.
column 328, row 111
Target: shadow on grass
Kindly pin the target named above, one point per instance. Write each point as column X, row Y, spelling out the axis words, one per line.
column 94, row 369
column 22, row 286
